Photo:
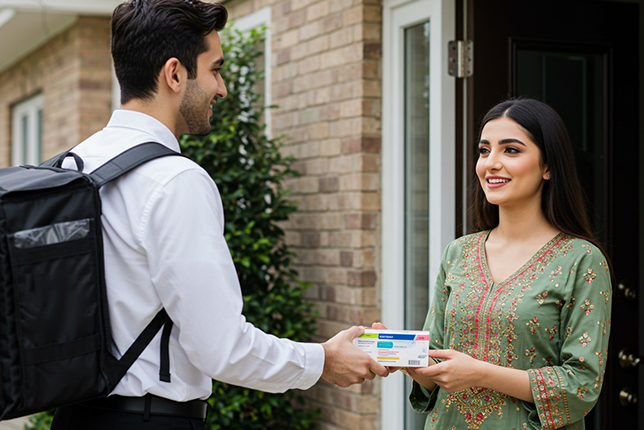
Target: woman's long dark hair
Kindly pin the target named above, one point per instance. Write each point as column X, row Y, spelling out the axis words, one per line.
column 561, row 200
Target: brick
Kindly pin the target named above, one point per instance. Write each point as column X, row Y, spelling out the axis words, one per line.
column 299, row 4
column 330, row 112
column 283, row 89
column 329, row 148
column 332, row 23
column 280, row 25
column 309, row 64
column 309, row 185
column 366, row 163
column 363, row 221
column 372, row 51
column 314, row 203
column 361, row 144
column 317, row 166
column 281, row 9
column 346, row 258
column 341, row 239
column 341, row 37
column 310, row 239
column 286, row 72
column 370, row 125
column 345, row 127
column 309, row 115
column 292, row 238
column 338, row 5
column 319, row 44
column 311, row 30
column 326, row 293
column 350, row 108
column 317, row 11
column 287, row 39
column 297, row 19
column 343, row 164
column 283, row 57
column 352, row 16
column 370, row 201
column 371, row 88
column 372, row 13
column 329, row 184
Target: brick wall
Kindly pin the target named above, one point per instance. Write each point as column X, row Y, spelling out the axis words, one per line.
column 73, row 72
column 326, row 81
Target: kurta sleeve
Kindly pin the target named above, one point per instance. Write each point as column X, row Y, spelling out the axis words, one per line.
column 421, row 399
column 564, row 393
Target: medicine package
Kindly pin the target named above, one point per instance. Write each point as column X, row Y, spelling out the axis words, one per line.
column 397, row 348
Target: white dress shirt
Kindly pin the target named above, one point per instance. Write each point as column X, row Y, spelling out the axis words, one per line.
column 164, row 246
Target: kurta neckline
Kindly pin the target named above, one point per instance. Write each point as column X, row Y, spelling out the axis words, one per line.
column 486, row 269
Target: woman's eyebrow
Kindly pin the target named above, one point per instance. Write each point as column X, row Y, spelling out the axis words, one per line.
column 511, row 140
column 502, row 142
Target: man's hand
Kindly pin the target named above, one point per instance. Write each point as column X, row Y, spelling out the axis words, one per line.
column 345, row 364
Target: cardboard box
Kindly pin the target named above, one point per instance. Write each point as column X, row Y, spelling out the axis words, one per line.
column 396, row 348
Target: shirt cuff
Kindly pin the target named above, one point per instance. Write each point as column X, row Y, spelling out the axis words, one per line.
column 421, row 399
column 314, row 353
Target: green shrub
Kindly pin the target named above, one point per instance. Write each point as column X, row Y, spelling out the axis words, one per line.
column 249, row 171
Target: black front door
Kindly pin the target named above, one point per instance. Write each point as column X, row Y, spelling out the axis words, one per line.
column 581, row 57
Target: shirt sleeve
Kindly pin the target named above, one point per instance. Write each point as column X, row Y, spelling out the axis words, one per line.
column 420, row 398
column 566, row 393
column 191, row 267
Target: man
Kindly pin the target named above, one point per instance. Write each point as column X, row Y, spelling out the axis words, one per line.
column 164, row 244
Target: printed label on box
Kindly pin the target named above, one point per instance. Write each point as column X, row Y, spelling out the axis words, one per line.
column 397, row 348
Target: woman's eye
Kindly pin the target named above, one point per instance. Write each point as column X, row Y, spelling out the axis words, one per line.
column 511, row 150
column 482, row 150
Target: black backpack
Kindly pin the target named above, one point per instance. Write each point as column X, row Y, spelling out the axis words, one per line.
column 55, row 335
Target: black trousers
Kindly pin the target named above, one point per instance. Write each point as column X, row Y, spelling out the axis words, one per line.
column 78, row 417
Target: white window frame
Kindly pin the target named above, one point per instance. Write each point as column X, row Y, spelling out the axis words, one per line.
column 254, row 20
column 29, row 109
column 397, row 16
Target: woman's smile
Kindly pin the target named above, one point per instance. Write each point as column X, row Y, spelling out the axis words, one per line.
column 509, row 167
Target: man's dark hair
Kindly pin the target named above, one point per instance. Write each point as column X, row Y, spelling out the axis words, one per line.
column 147, row 33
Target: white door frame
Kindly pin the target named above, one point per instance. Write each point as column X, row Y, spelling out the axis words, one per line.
column 398, row 15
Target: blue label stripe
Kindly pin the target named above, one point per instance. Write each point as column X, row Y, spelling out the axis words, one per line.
column 396, row 336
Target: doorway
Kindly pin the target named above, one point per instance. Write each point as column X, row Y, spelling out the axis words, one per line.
column 582, row 58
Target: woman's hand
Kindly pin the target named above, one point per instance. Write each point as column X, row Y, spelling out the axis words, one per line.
column 458, row 372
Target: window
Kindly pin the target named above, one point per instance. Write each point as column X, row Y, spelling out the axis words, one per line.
column 26, row 145
column 418, row 173
column 257, row 19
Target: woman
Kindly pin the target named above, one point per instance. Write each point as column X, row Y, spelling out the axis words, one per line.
column 520, row 317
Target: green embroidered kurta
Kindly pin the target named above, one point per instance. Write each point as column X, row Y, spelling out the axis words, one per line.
column 551, row 318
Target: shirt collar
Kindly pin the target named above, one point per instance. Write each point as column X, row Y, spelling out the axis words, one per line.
column 146, row 124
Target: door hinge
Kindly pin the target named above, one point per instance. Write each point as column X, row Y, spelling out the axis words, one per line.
column 461, row 58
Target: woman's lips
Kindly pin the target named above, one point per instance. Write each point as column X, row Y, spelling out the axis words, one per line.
column 495, row 182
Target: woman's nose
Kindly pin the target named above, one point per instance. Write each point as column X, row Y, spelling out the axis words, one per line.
column 493, row 161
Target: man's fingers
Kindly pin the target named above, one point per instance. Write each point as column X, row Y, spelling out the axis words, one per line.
column 354, row 332
column 378, row 368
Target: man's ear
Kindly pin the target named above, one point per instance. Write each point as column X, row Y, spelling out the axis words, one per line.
column 173, row 74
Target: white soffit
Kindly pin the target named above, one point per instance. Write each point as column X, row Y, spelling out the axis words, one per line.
column 27, row 24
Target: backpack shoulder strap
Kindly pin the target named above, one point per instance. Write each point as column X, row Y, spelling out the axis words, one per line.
column 57, row 161
column 129, row 160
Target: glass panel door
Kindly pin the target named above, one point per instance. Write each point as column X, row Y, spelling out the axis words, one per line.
column 416, row 129
column 573, row 84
